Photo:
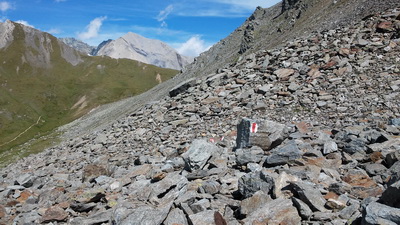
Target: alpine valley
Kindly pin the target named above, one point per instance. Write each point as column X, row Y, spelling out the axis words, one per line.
column 45, row 84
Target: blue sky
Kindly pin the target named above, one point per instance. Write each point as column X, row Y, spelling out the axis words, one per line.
column 188, row 26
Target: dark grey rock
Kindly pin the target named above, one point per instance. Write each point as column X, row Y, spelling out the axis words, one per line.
column 375, row 169
column 304, row 211
column 25, row 180
column 283, row 155
column 201, row 205
column 252, row 155
column 395, row 122
column 376, row 213
column 309, row 194
column 391, row 196
column 264, row 134
column 255, row 181
column 182, row 87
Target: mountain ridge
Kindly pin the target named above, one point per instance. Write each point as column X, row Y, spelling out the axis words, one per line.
column 151, row 51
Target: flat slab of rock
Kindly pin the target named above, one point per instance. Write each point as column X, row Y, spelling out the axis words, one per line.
column 278, row 211
column 198, row 154
column 309, row 194
column 283, row 155
column 376, row 213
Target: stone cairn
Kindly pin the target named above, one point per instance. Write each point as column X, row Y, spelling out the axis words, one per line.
column 307, row 133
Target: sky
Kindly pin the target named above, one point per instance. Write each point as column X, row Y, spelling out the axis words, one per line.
column 189, row 26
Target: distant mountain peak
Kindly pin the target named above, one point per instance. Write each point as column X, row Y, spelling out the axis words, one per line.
column 79, row 45
column 151, row 51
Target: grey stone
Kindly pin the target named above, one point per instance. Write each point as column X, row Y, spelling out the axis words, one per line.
column 355, row 145
column 329, row 147
column 198, row 154
column 140, row 214
column 375, row 169
column 376, row 213
column 171, row 183
column 249, row 205
column 201, row 205
column 395, row 122
column 278, row 211
column 203, row 218
column 283, row 155
column 309, row 194
column 182, row 87
column 176, row 216
column 25, row 180
column 210, row 187
column 304, row 211
column 255, row 181
column 349, row 211
column 265, row 134
column 252, row 155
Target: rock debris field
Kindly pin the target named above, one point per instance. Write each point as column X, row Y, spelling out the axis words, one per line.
column 308, row 133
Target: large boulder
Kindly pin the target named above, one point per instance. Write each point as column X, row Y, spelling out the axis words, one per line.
column 198, row 154
column 376, row 213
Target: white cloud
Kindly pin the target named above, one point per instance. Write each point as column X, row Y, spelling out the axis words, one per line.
column 165, row 13
column 221, row 8
column 4, row 6
column 54, row 31
column 92, row 30
column 193, row 47
column 23, row 22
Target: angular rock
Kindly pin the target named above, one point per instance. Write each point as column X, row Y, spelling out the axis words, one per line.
column 255, row 181
column 309, row 194
column 176, row 216
column 391, row 196
column 264, row 134
column 140, row 214
column 278, row 211
column 54, row 214
column 363, row 185
column 198, row 154
column 252, row 155
column 25, row 180
column 92, row 171
column 283, row 155
column 182, row 87
column 376, row 213
column 203, row 218
column 249, row 205
column 304, row 211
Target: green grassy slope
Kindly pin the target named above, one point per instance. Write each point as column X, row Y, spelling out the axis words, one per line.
column 59, row 92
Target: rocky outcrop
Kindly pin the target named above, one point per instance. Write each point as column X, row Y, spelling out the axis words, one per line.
column 331, row 100
column 78, row 45
column 6, row 33
column 136, row 47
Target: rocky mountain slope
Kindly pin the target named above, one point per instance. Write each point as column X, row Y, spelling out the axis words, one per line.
column 136, row 47
column 304, row 133
column 45, row 84
column 79, row 45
